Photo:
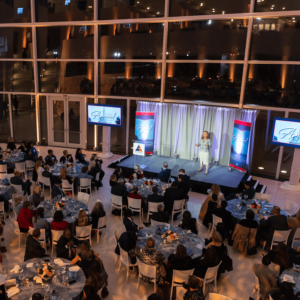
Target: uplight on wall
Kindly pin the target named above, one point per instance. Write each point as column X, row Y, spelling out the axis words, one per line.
column 283, row 171
column 261, row 168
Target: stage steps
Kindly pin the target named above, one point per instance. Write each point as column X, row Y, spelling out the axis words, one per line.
column 259, row 188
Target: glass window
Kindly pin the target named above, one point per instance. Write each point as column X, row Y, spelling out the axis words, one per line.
column 277, row 43
column 43, row 121
column 211, row 82
column 4, row 118
column 16, row 76
column 138, row 40
column 15, row 42
column 64, row 10
column 265, row 154
column 73, row 42
column 130, row 79
column 24, row 118
column 211, row 39
column 90, row 130
column 130, row 9
column 66, row 77
column 276, row 5
column 15, row 11
column 273, row 85
column 212, row 7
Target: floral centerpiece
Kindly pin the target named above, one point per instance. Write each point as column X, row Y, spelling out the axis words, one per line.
column 59, row 204
column 45, row 271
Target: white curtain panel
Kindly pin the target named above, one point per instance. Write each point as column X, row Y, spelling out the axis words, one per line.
column 178, row 127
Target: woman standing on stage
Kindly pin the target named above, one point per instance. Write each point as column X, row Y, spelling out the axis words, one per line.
column 204, row 150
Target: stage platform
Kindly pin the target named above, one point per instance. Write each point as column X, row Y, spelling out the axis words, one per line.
column 230, row 182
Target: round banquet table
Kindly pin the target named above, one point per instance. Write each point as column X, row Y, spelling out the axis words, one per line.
column 296, row 277
column 72, row 171
column 193, row 243
column 239, row 212
column 63, row 292
column 144, row 189
column 12, row 160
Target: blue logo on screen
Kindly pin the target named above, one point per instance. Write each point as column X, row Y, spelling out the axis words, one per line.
column 288, row 133
column 67, row 2
column 20, row 10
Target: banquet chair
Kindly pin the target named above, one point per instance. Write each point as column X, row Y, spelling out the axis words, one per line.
column 17, row 189
column 29, row 166
column 290, row 207
column 85, row 184
column 279, row 236
column 180, row 277
column 177, row 208
column 270, row 297
column 155, row 223
column 67, row 187
column 136, row 206
column 124, row 259
column 256, row 287
column 16, row 230
column 296, row 237
column 46, row 182
column 101, row 225
column 211, row 276
column 148, row 271
column 261, row 196
column 116, row 201
column 116, row 236
column 30, row 197
column 214, row 296
column 12, row 206
column 42, row 239
column 3, row 169
column 215, row 222
column 21, row 168
column 83, row 198
column 56, row 234
column 198, row 226
column 100, row 292
column 180, row 291
column 152, row 208
column 2, row 210
column 83, row 233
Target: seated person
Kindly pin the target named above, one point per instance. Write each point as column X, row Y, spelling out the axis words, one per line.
column 184, row 185
column 82, row 219
column 216, row 243
column 37, row 196
column 37, row 171
column 165, row 173
column 17, row 180
column 215, row 189
column 293, row 223
column 50, row 159
column 120, row 190
column 266, row 277
column 194, row 292
column 135, row 194
column 99, row 163
column 25, row 217
column 285, row 291
column 127, row 242
column 2, row 162
column 128, row 221
column 93, row 170
column 186, row 177
column 155, row 197
column 46, row 173
column 33, row 247
column 137, row 173
column 274, row 222
column 180, row 260
column 247, row 194
column 83, row 174
column 10, row 144
column 152, row 256
column 208, row 260
column 118, row 173
column 64, row 175
column 39, row 221
column 66, row 158
column 18, row 204
column 58, row 222
column 161, row 215
column 23, row 147
column 29, row 155
column 32, row 149
column 66, row 243
column 79, row 156
column 113, row 180
column 213, row 202
column 188, row 223
column 56, row 190
column 37, row 296
column 249, row 222
column 97, row 212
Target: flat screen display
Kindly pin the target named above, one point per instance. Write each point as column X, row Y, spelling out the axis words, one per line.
column 105, row 115
column 286, row 132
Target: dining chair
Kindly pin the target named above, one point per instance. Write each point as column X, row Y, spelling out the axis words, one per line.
column 290, row 207
column 215, row 222
column 180, row 291
column 124, row 259
column 83, row 198
column 279, row 236
column 261, row 196
column 152, row 208
column 17, row 189
column 3, row 168
column 296, row 237
column 177, row 208
column 198, row 226
column 136, row 206
column 42, row 238
column 85, row 184
column 156, row 223
column 256, row 287
column 116, row 201
column 147, row 271
column 16, row 230
column 67, row 187
column 29, row 166
column 100, row 292
column 101, row 224
column 46, row 182
column 56, row 234
column 83, row 233
column 20, row 166
column 179, row 277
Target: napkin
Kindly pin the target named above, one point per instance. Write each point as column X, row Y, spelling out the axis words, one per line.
column 29, row 265
column 59, row 262
column 199, row 246
column 16, row 269
column 38, row 279
column 63, row 199
column 49, row 220
column 12, row 291
column 74, row 269
column 188, row 231
column 288, row 278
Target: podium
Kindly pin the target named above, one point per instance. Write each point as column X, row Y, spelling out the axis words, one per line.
column 139, row 149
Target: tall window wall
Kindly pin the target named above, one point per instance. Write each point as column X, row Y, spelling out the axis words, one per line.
column 230, row 53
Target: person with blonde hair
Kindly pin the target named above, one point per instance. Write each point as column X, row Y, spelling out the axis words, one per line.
column 66, row 158
column 18, row 204
column 215, row 189
column 205, row 144
column 93, row 170
column 216, row 242
column 38, row 170
column 11, row 144
column 37, row 196
column 82, row 219
column 97, row 212
column 64, row 175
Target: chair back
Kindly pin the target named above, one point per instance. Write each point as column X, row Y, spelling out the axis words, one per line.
column 116, row 235
column 256, row 282
column 2, row 207
column 280, row 236
column 155, row 223
column 178, row 205
column 152, row 207
column 290, row 207
column 214, row 296
column 83, row 232
column 17, row 189
column 296, row 236
column 123, row 255
column 83, row 198
column 134, row 204
column 100, row 291
column 66, row 185
column 3, row 168
column 85, row 182
column 146, row 270
column 216, row 220
column 46, row 181
column 116, row 200
column 102, row 222
column 56, row 234
column 212, row 273
column 180, row 277
column 243, row 237
column 30, row 197
column 261, row 196
column 30, row 164
column 20, row 166
column 42, row 239
column 198, row 225
column 16, row 226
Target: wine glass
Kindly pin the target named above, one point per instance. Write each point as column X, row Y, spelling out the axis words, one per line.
column 245, row 196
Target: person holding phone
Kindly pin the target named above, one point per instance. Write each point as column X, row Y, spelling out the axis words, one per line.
column 205, row 144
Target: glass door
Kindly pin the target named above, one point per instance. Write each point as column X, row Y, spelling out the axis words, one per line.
column 67, row 121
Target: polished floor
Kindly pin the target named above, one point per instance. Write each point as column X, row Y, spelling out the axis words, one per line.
column 237, row 284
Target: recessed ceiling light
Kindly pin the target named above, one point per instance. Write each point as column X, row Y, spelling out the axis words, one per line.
column 148, row 7
column 158, row 13
column 201, row 4
column 283, row 171
column 283, row 8
column 261, row 168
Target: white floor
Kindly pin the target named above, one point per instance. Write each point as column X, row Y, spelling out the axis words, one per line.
column 237, row 284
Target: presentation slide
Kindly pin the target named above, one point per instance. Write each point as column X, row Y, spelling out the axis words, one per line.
column 105, row 115
column 286, row 132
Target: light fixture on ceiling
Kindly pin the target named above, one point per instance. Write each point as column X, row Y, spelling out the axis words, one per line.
column 261, row 168
column 283, row 171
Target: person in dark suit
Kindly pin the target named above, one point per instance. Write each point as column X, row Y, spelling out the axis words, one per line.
column 66, row 243
column 66, row 158
column 155, row 197
column 48, row 174
column 56, row 190
column 248, row 193
column 118, row 173
column 188, row 223
column 50, row 159
column 165, row 173
column 17, row 180
column 249, row 221
column 11, row 144
column 160, row 215
column 120, row 190
column 23, row 147
column 33, row 247
column 186, row 177
column 9, row 170
column 128, row 221
column 29, row 156
column 220, row 212
column 127, row 242
column 173, row 193
column 184, row 185
column 275, row 222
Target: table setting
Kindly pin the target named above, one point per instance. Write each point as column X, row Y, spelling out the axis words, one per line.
column 72, row 168
column 54, row 278
column 167, row 238
column 10, row 158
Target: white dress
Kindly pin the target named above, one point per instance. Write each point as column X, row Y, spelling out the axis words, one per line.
column 204, row 151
